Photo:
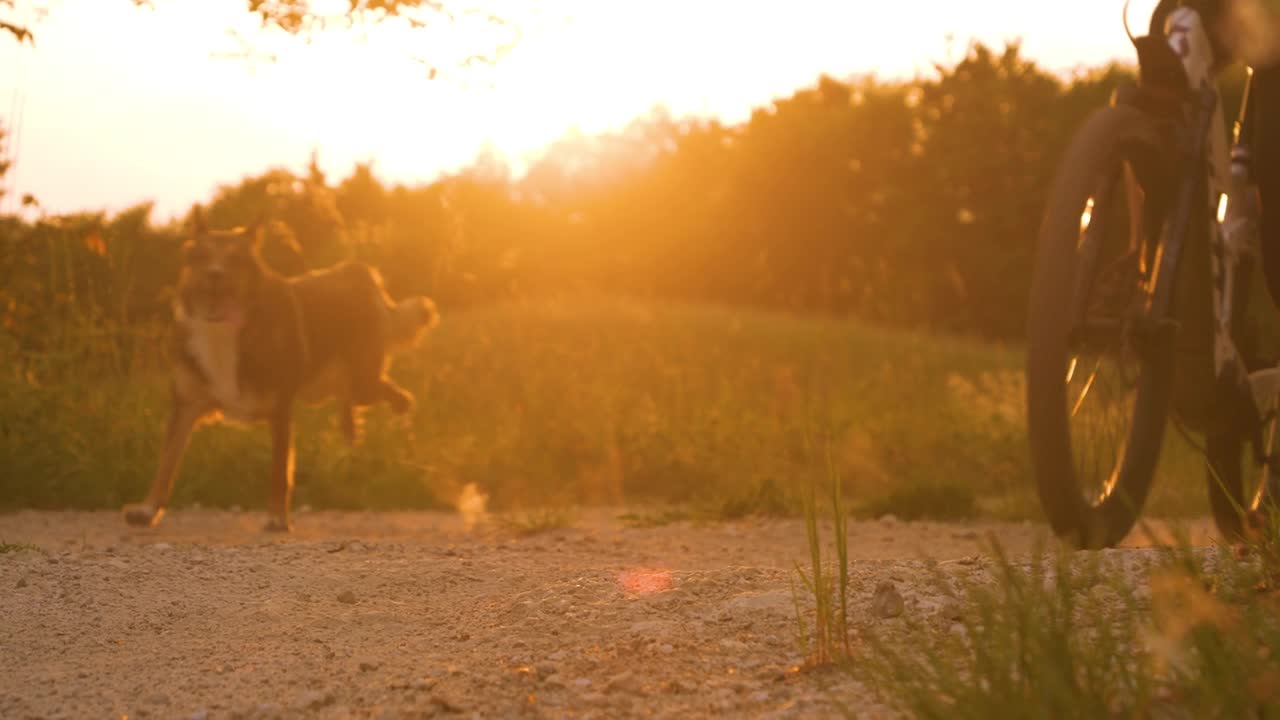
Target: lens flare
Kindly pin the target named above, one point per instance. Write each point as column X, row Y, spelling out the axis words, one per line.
column 644, row 582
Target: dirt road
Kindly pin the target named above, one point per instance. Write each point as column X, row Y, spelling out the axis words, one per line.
column 411, row 615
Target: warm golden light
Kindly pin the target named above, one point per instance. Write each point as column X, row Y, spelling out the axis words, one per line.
column 1086, row 217
column 183, row 115
column 644, row 582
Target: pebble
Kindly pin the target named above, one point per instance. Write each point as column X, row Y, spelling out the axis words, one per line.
column 267, row 711
column 886, row 602
column 555, row 680
column 625, row 681
column 22, row 582
column 347, row 597
column 315, row 700
column 446, row 704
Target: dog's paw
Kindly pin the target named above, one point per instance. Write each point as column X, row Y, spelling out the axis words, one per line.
column 401, row 402
column 278, row 525
column 141, row 515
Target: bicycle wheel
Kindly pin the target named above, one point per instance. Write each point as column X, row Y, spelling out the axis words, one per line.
column 1239, row 483
column 1099, row 369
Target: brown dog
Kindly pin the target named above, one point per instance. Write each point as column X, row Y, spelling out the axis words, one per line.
column 248, row 343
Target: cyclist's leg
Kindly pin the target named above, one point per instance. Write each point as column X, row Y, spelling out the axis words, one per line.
column 1266, row 168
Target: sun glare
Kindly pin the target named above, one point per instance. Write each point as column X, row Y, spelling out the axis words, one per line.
column 418, row 102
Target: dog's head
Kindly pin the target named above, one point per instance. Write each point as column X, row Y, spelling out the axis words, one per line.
column 221, row 269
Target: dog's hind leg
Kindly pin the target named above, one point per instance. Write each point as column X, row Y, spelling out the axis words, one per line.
column 182, row 421
column 400, row 400
column 282, row 458
column 369, row 383
column 351, row 417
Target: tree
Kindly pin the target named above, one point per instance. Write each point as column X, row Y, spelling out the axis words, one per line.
column 11, row 25
column 4, row 162
column 299, row 17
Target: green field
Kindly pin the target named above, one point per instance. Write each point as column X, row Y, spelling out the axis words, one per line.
column 584, row 402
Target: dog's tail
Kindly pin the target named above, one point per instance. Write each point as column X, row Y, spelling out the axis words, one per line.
column 410, row 319
column 403, row 323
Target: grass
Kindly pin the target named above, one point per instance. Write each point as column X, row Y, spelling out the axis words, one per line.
column 8, row 547
column 1075, row 635
column 1183, row 632
column 536, row 521
column 592, row 401
column 825, row 584
column 942, row 501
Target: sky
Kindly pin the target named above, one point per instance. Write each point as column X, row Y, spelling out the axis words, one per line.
column 117, row 105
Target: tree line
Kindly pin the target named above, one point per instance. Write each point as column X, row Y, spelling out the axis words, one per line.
column 910, row 204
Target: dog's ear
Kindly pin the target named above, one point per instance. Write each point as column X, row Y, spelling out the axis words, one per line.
column 256, row 231
column 196, row 223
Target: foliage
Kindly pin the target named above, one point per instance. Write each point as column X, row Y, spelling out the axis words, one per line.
column 1038, row 637
column 939, row 501
column 909, row 204
column 590, row 401
column 760, row 258
column 1190, row 632
column 8, row 547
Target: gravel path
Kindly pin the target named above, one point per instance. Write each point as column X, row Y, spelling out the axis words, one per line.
column 407, row 615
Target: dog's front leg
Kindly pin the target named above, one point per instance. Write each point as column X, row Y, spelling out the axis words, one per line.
column 281, row 469
column 182, row 420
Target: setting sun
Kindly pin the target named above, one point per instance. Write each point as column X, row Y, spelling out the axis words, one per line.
column 193, row 94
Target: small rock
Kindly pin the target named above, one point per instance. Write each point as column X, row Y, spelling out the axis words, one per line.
column 267, row 711
column 582, row 683
column 889, row 519
column 625, row 681
column 556, row 680
column 886, row 602
column 547, row 669
column 952, row 609
column 445, row 704
column 161, row 546
column 557, row 656
column 22, row 582
column 347, row 597
column 200, row 714
column 315, row 700
column 760, row 697
column 369, row 665
column 666, row 648
column 158, row 699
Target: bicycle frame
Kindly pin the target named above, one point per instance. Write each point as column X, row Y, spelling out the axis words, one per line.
column 1209, row 167
column 1207, row 177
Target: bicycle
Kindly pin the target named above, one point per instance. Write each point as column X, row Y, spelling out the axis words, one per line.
column 1147, row 306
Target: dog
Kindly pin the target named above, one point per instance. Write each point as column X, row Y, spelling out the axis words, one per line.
column 248, row 344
